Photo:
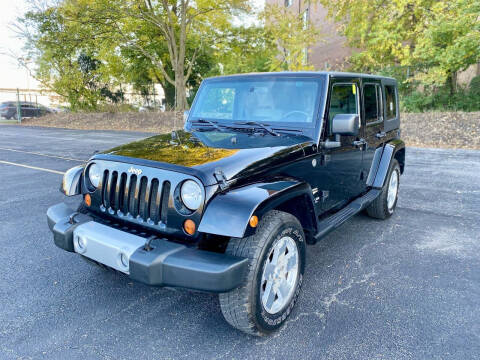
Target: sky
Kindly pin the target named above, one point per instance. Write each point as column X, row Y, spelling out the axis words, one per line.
column 12, row 75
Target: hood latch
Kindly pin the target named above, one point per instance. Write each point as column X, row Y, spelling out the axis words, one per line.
column 221, row 178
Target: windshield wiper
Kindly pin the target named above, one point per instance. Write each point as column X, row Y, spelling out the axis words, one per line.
column 260, row 125
column 211, row 123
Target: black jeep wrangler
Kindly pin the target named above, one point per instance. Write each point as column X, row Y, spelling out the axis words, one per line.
column 266, row 164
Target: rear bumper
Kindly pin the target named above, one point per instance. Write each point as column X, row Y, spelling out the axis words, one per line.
column 166, row 264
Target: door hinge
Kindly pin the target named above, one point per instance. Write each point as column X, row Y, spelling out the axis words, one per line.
column 324, row 159
column 324, row 195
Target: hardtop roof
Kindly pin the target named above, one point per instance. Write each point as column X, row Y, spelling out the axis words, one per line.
column 306, row 73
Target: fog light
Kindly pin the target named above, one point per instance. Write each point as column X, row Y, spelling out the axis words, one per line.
column 124, row 260
column 88, row 200
column 189, row 227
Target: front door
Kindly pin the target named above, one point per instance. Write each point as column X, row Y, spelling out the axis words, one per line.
column 340, row 174
column 372, row 120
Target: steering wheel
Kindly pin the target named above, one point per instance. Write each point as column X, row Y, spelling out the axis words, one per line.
column 290, row 113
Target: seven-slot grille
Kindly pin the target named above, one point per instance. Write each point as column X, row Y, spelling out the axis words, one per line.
column 135, row 196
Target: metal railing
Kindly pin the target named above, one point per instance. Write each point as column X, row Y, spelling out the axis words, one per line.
column 16, row 104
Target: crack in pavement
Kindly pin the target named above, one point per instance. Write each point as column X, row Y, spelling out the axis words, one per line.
column 333, row 298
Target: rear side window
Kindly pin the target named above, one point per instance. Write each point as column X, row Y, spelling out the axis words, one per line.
column 391, row 102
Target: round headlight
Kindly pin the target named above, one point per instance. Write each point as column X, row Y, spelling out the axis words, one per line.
column 191, row 194
column 94, row 175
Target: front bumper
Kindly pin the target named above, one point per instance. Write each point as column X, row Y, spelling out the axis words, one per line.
column 166, row 264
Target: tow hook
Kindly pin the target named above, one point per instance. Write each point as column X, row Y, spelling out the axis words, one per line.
column 71, row 219
column 147, row 246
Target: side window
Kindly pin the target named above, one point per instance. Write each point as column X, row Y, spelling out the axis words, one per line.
column 391, row 102
column 370, row 101
column 343, row 100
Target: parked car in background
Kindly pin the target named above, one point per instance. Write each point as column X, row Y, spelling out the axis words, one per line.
column 60, row 109
column 8, row 109
column 145, row 108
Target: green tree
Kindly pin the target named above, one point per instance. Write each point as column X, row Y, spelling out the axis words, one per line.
column 384, row 32
column 174, row 22
column 292, row 34
column 243, row 49
column 173, row 35
column 450, row 42
column 61, row 65
column 433, row 38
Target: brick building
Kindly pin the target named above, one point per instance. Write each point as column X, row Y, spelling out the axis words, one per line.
column 330, row 53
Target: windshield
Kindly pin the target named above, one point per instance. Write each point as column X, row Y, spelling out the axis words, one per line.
column 266, row 100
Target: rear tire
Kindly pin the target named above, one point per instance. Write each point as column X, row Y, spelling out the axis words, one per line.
column 383, row 206
column 276, row 263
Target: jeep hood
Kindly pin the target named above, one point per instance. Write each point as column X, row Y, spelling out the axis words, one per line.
column 201, row 153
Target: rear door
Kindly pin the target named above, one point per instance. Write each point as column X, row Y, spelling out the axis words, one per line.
column 372, row 120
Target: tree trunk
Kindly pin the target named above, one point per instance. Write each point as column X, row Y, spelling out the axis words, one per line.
column 453, row 84
column 180, row 91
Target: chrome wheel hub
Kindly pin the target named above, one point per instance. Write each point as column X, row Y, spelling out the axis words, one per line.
column 280, row 273
column 392, row 189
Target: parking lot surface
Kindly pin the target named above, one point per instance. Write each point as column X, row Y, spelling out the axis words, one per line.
column 404, row 288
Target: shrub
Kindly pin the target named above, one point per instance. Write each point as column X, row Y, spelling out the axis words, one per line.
column 475, row 87
column 441, row 99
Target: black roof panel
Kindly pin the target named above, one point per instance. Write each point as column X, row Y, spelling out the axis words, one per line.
column 308, row 73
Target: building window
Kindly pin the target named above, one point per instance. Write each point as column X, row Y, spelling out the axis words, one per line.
column 305, row 19
column 288, row 3
column 305, row 56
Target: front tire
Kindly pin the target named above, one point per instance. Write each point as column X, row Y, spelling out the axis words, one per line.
column 276, row 255
column 384, row 205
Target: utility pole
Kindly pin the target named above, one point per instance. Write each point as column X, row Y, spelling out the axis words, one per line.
column 19, row 108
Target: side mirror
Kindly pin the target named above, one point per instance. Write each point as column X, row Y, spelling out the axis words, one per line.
column 346, row 124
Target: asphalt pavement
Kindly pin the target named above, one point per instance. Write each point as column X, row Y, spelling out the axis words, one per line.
column 404, row 288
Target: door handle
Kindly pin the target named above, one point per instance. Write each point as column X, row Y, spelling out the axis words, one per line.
column 359, row 143
column 381, row 134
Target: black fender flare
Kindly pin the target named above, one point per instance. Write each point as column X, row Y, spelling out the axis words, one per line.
column 72, row 181
column 228, row 214
column 381, row 162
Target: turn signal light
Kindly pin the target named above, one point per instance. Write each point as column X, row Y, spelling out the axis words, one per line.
column 189, row 227
column 88, row 200
column 253, row 221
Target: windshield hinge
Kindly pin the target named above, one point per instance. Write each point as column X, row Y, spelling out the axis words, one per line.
column 325, row 158
column 221, row 178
